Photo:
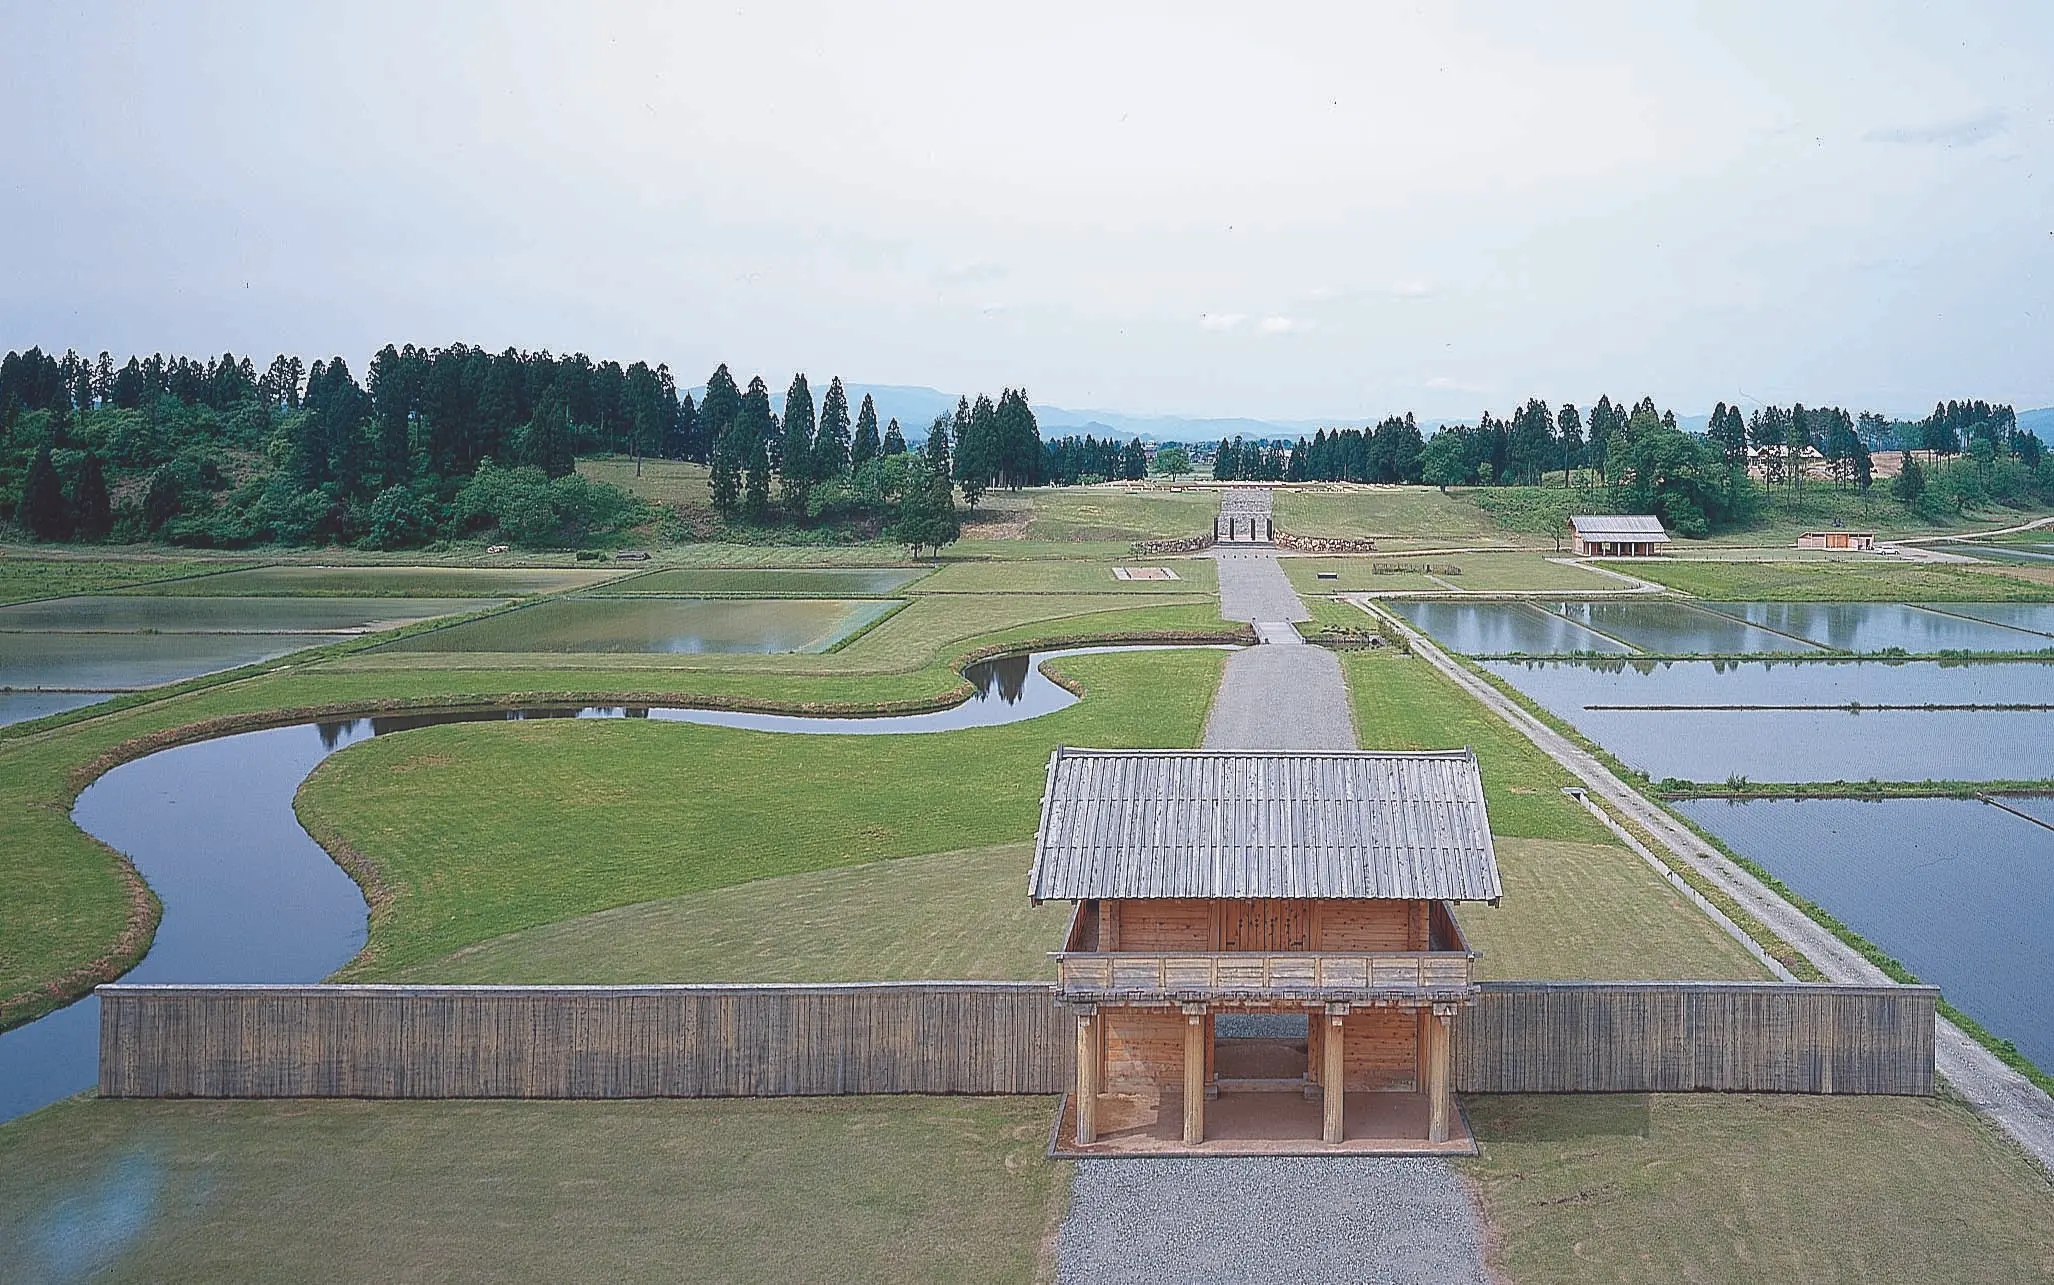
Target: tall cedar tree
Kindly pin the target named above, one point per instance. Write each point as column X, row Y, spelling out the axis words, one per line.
column 1020, row 454
column 756, row 430
column 894, row 439
column 43, row 510
column 976, row 461
column 721, row 411
column 831, row 449
column 797, row 469
column 92, row 513
column 546, row 440
column 865, row 447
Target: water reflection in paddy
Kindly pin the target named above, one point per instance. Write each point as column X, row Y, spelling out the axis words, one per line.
column 1674, row 628
column 1655, row 716
column 1881, row 626
column 1955, row 889
column 1503, row 628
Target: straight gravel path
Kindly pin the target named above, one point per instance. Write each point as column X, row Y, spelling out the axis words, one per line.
column 1291, row 1220
column 1253, row 589
column 2007, row 1098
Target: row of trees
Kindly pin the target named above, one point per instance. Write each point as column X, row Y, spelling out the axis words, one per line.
column 826, row 463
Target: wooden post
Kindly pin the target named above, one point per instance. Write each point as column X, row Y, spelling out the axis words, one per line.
column 1332, row 1074
column 1439, row 1100
column 1087, row 1078
column 1194, row 1077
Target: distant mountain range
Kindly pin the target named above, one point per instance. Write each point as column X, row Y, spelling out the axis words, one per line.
column 915, row 408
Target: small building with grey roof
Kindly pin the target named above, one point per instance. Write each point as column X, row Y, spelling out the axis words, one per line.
column 1618, row 535
column 1315, row 887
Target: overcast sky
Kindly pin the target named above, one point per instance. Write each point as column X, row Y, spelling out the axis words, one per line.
column 1240, row 209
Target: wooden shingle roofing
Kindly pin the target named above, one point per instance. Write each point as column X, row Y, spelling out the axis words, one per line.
column 1196, row 823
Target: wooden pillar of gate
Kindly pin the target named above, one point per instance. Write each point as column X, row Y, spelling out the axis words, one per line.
column 1194, row 1076
column 1440, row 1100
column 1332, row 1074
column 1090, row 1032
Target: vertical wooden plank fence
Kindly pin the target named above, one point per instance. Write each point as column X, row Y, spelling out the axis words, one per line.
column 944, row 1037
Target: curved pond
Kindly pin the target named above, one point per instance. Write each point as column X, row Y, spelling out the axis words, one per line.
column 250, row 897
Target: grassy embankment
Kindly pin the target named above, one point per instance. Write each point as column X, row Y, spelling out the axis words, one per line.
column 1478, row 573
column 1396, row 517
column 611, row 814
column 30, row 574
column 843, row 1189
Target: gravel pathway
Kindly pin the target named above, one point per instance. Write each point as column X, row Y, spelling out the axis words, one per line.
column 1253, row 588
column 1293, row 1220
column 1281, row 698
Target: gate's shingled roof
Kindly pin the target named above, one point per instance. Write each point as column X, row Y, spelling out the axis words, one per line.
column 1196, row 823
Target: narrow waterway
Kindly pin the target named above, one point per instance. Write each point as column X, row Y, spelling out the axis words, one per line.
column 250, row 897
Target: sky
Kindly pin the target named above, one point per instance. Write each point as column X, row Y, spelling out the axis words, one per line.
column 1283, row 210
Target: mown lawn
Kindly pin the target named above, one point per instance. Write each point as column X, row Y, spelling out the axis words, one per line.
column 1881, row 580
column 1194, row 576
column 1115, row 513
column 482, row 830
column 949, row 914
column 298, row 581
column 27, row 576
column 1399, row 512
column 821, row 1189
column 1731, row 1188
column 1466, row 572
column 1401, row 703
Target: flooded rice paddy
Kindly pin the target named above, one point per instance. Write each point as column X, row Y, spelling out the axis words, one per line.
column 1668, row 627
column 664, row 625
column 64, row 653
column 1701, row 720
column 1955, row 889
column 383, row 582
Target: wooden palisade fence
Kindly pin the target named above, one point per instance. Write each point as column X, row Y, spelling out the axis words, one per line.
column 943, row 1037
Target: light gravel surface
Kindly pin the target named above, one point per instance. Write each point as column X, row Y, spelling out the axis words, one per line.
column 1291, row 1220
column 1281, row 698
column 1253, row 588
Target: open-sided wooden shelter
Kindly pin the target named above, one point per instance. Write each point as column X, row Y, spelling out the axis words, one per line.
column 1314, row 886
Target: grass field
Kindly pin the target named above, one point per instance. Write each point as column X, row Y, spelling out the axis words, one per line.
column 1867, row 581
column 950, row 914
column 298, row 581
column 1194, row 576
column 1389, row 512
column 1462, row 572
column 1545, row 927
column 838, row 1189
column 673, row 483
column 1401, row 703
column 1728, row 1188
column 1112, row 512
column 787, row 582
column 24, row 577
column 609, row 814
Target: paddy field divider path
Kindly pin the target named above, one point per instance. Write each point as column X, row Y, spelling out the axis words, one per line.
column 2005, row 1097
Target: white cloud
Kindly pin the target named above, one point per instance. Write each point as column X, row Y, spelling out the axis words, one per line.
column 1411, row 290
column 1221, row 320
column 1282, row 325
column 1447, row 383
column 1965, row 131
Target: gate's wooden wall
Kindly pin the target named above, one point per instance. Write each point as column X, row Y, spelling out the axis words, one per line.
column 943, row 1037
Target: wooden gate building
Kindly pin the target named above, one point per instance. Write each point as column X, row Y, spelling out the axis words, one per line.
column 1224, row 898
